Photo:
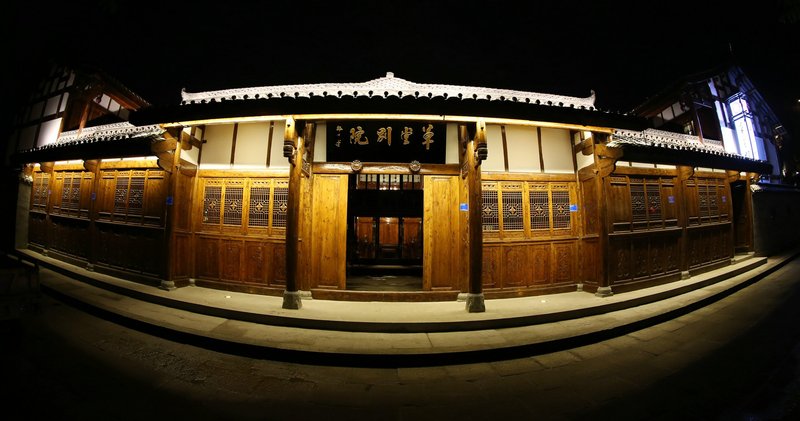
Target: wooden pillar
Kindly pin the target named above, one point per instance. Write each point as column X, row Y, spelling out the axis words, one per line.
column 292, row 150
column 605, row 163
column 93, row 166
column 48, row 168
column 684, row 174
column 169, row 155
column 473, row 153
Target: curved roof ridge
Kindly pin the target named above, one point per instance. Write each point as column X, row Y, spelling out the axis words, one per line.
column 388, row 85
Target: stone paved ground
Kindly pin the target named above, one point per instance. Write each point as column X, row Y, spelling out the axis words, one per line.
column 736, row 359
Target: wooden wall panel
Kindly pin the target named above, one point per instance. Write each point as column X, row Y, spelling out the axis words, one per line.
column 563, row 269
column 37, row 229
column 256, row 258
column 442, row 249
column 329, row 225
column 207, row 249
column 231, row 253
column 70, row 236
column 638, row 257
column 130, row 247
column 516, row 269
column 490, row 270
column 278, row 264
column 540, row 265
column 182, row 256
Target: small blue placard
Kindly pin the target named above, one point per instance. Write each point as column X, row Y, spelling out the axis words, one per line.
column 671, row 199
column 169, row 200
column 724, row 199
column 463, row 207
column 573, row 208
column 94, row 195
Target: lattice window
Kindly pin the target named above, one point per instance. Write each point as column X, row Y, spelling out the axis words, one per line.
column 540, row 209
column 258, row 215
column 136, row 194
column 232, row 214
column 562, row 215
column 490, row 215
column 71, row 192
column 121, row 192
column 280, row 202
column 212, row 202
column 653, row 192
column 512, row 211
column 41, row 188
column 638, row 202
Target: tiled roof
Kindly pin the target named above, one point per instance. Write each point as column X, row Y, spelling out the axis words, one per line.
column 385, row 87
column 669, row 140
column 104, row 133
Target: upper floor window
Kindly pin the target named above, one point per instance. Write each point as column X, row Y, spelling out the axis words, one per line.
column 743, row 124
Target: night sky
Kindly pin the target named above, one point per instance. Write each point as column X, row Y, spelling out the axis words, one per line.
column 625, row 51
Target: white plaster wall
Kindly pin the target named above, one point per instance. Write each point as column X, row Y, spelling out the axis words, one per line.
column 451, row 148
column 557, row 151
column 251, row 145
column 523, row 149
column 217, row 149
column 494, row 142
column 321, row 143
column 276, row 159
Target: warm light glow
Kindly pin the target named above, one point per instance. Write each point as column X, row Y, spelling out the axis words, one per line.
column 424, row 117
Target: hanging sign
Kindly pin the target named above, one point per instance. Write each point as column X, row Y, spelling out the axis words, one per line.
column 386, row 141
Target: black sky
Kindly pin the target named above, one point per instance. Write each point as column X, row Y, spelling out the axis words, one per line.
column 625, row 51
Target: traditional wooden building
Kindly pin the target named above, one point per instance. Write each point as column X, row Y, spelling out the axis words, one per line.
column 469, row 192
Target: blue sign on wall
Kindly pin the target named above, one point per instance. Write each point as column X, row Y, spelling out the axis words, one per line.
column 573, row 208
column 463, row 207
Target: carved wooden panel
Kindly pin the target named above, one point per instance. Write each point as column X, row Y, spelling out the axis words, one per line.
column 442, row 251
column 516, row 269
column 588, row 264
column 329, row 225
column 490, row 270
column 256, row 262
column 231, row 257
column 278, row 264
column 540, row 265
column 564, row 254
column 640, row 257
column 709, row 244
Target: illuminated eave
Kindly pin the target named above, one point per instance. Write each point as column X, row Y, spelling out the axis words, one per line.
column 423, row 117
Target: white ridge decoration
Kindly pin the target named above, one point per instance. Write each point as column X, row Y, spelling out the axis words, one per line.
column 385, row 87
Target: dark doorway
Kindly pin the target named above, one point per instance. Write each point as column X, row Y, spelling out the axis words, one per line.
column 384, row 232
column 741, row 216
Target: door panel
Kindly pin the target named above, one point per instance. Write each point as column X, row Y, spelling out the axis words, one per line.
column 329, row 225
column 441, row 245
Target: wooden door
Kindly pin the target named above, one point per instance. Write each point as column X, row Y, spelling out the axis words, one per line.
column 441, row 246
column 329, row 227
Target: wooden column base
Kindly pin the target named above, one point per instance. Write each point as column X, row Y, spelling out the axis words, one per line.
column 475, row 303
column 604, row 292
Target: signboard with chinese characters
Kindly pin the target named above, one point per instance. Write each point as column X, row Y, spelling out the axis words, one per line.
column 386, row 141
